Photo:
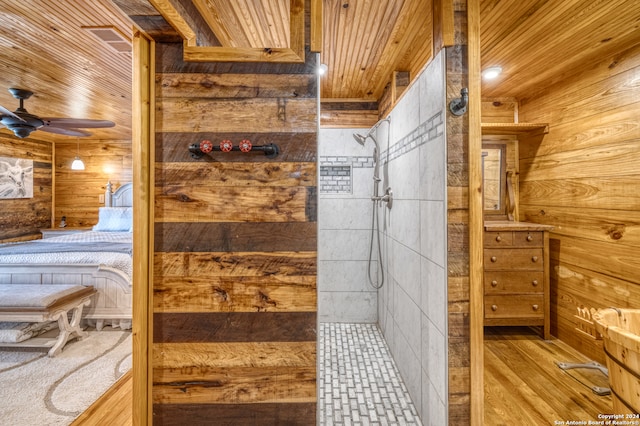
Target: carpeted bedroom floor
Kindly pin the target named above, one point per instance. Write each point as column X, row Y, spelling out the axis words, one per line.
column 38, row 390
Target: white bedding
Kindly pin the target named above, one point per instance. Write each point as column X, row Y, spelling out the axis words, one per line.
column 120, row 261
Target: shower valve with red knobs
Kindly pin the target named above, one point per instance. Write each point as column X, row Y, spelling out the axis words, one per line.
column 245, row 145
column 226, row 146
column 206, row 147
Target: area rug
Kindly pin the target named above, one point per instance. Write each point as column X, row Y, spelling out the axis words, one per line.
column 38, row 390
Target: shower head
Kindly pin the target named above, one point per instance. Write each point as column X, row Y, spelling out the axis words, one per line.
column 359, row 138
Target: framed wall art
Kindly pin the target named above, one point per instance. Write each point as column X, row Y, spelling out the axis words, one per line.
column 16, row 178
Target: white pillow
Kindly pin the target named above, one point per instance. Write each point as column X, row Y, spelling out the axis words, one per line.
column 114, row 219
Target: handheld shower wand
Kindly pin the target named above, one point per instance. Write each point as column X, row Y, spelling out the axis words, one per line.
column 376, row 198
column 388, row 194
column 376, row 162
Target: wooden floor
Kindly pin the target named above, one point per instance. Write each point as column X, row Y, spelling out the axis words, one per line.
column 523, row 384
column 114, row 408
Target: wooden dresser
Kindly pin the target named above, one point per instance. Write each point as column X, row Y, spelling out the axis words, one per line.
column 516, row 274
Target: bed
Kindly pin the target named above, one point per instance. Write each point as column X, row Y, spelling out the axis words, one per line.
column 100, row 257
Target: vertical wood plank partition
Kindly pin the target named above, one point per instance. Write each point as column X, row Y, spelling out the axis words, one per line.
column 464, row 222
column 476, row 338
column 142, row 146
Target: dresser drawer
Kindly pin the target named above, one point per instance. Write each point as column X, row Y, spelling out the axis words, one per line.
column 513, row 259
column 527, row 239
column 513, row 239
column 515, row 306
column 498, row 239
column 513, row 282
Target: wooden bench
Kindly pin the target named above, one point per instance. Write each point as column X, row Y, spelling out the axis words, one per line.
column 43, row 303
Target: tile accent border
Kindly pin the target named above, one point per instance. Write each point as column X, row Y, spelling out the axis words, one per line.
column 429, row 130
column 336, row 171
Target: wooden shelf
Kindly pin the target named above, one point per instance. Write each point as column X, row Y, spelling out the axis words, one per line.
column 513, row 128
column 509, row 225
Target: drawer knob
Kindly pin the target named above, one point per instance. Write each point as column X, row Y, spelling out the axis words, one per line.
column 529, row 237
column 494, row 259
column 494, row 283
column 498, row 238
column 494, row 307
column 534, row 283
column 535, row 307
column 534, row 258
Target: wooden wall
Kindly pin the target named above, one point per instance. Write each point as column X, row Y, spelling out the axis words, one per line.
column 458, row 247
column 77, row 192
column 21, row 218
column 583, row 177
column 234, row 329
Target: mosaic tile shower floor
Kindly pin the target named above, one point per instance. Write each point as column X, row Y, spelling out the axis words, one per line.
column 359, row 382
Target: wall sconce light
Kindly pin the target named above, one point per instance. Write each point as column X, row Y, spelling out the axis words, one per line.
column 491, row 72
column 77, row 162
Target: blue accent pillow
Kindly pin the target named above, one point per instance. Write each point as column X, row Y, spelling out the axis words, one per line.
column 114, row 219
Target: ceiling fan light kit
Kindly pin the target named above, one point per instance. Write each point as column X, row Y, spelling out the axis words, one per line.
column 22, row 123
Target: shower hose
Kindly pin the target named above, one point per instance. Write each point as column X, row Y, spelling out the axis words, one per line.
column 375, row 226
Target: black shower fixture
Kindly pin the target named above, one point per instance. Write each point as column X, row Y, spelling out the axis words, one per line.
column 458, row 106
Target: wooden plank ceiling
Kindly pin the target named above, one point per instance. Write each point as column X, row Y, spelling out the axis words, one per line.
column 538, row 42
column 246, row 23
column 74, row 74
column 364, row 42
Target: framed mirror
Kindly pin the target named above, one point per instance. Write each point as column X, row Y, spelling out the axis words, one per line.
column 494, row 197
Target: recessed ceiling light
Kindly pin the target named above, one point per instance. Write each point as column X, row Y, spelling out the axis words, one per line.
column 322, row 69
column 491, row 73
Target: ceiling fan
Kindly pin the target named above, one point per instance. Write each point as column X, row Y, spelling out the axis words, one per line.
column 22, row 123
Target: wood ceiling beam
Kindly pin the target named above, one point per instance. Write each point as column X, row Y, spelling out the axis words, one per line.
column 214, row 21
column 293, row 53
column 316, row 25
column 174, row 15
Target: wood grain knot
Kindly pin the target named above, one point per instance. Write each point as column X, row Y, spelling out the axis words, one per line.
column 264, row 300
column 221, row 293
column 616, row 232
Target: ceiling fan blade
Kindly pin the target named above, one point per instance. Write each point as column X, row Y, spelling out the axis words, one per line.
column 4, row 111
column 66, row 132
column 76, row 123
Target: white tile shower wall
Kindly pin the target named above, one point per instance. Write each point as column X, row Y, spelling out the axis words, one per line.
column 412, row 307
column 344, row 228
